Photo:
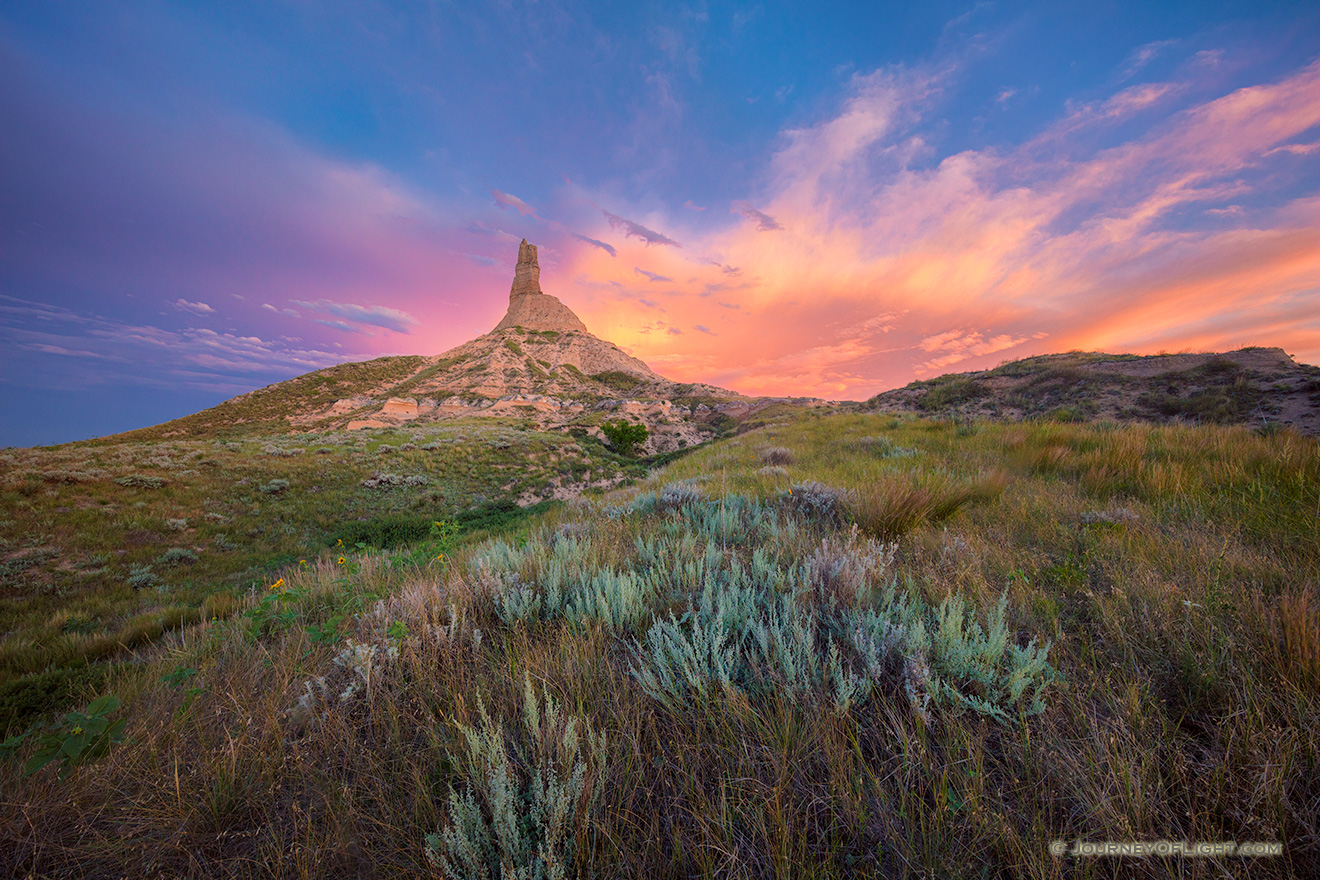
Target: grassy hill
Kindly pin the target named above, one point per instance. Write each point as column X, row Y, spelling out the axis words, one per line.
column 1253, row 386
column 843, row 645
column 107, row 544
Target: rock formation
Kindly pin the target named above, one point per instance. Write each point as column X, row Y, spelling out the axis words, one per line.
column 531, row 309
column 540, row 366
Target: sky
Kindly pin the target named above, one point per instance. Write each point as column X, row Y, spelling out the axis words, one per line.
column 824, row 200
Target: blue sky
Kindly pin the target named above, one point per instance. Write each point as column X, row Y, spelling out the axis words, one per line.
column 781, row 199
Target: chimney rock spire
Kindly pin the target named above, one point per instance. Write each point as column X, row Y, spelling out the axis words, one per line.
column 527, row 277
column 531, row 309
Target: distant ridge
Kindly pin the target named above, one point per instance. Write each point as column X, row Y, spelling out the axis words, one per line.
column 1251, row 386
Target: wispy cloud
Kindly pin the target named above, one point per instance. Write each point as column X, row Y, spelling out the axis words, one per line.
column 374, row 316
column 764, row 221
column 197, row 308
column 653, row 276
column 607, row 248
column 504, row 200
column 637, row 230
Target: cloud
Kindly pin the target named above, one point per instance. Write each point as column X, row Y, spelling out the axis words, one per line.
column 654, row 276
column 692, row 206
column 704, row 329
column 609, row 249
column 764, row 222
column 374, row 316
column 638, row 231
column 1199, row 228
column 674, row 331
column 959, row 345
column 504, row 200
column 130, row 354
column 197, row 308
column 1295, row 149
column 1143, row 55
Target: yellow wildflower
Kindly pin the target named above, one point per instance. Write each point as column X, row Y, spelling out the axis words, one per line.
column 279, row 583
column 342, row 560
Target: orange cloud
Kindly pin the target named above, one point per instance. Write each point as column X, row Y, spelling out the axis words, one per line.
column 984, row 255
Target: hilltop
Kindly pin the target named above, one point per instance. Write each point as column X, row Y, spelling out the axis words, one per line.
column 1252, row 386
column 540, row 364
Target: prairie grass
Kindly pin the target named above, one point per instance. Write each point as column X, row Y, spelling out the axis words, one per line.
column 1083, row 632
column 120, row 533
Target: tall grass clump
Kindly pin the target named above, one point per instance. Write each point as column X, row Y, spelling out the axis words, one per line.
column 893, row 506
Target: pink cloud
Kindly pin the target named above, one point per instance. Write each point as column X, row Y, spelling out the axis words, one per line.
column 504, row 200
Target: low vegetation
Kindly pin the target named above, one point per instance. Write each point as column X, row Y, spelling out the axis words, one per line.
column 849, row 645
column 106, row 545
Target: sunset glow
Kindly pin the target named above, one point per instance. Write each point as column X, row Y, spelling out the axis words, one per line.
column 195, row 204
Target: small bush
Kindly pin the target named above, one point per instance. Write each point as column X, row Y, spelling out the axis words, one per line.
column 816, row 502
column 624, row 436
column 281, row 451
column 24, row 700
column 176, row 525
column 618, row 380
column 384, row 532
column 394, row 481
column 523, row 809
column 883, row 447
column 274, row 487
column 177, row 556
column 891, row 508
column 496, row 515
column 676, row 495
column 141, row 577
column 951, row 392
column 140, row 481
column 777, row 455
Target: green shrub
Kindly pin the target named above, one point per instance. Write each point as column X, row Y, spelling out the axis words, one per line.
column 495, row 515
column 81, row 737
column 624, row 436
column 951, row 391
column 140, row 481
column 394, row 481
column 384, row 532
column 618, row 380
column 24, row 700
column 141, row 577
column 177, row 556
column 274, row 487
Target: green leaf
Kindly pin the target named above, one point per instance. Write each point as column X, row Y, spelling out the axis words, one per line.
column 73, row 745
column 103, row 705
column 41, row 759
